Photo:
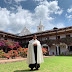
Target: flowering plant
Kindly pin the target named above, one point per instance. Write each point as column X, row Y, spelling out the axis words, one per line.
column 13, row 54
column 3, row 55
column 22, row 51
column 2, row 43
column 9, row 44
column 45, row 51
column 1, row 52
column 7, row 57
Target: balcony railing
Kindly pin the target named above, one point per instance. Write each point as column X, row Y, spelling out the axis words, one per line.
column 50, row 42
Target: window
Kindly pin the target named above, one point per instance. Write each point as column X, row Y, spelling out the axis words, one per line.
column 3, row 35
column 47, row 37
column 21, row 41
column 38, row 38
column 5, row 39
column 70, row 48
column 39, row 28
column 67, row 36
column 0, row 36
column 58, row 37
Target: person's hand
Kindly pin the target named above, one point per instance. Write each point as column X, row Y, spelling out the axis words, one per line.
column 35, row 44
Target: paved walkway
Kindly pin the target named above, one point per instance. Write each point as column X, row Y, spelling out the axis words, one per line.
column 15, row 60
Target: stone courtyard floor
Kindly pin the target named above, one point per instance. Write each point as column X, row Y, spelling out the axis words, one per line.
column 4, row 60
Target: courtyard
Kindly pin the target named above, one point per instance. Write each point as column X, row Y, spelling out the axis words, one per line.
column 51, row 64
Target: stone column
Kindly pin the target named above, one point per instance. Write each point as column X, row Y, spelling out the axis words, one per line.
column 57, row 50
column 49, row 50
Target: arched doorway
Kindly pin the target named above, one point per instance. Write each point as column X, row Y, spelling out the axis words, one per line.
column 45, row 46
column 60, row 48
column 53, row 50
column 63, row 48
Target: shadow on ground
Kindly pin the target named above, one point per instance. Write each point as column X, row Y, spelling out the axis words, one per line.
column 27, row 70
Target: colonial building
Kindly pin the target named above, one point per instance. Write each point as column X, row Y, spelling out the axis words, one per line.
column 56, row 40
column 40, row 28
column 25, row 31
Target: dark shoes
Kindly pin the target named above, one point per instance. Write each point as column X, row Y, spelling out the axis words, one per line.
column 34, row 65
column 31, row 69
column 34, row 69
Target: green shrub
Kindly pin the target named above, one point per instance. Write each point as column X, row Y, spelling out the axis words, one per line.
column 0, row 56
column 13, row 53
column 1, row 52
column 22, row 52
column 62, row 54
column 70, row 54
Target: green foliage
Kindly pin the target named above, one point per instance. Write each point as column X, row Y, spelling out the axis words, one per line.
column 22, row 52
column 70, row 54
column 25, row 45
column 62, row 54
column 50, row 42
column 1, row 52
column 0, row 56
column 13, row 54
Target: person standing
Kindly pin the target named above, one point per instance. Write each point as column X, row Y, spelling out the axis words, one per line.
column 34, row 54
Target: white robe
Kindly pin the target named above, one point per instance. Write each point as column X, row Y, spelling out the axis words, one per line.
column 30, row 53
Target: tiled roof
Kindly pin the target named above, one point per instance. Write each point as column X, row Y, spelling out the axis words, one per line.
column 47, row 31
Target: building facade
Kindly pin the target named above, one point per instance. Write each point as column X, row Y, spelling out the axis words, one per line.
column 57, row 41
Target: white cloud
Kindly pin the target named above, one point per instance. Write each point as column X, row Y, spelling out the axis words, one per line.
column 49, row 26
column 8, row 1
column 52, row 6
column 60, row 25
column 41, row 12
column 4, row 18
column 38, row 0
column 20, row 19
column 19, row 0
column 68, row 16
column 15, row 22
column 59, row 12
column 69, row 10
column 45, row 9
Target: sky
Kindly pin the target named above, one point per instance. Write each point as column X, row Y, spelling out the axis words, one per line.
column 17, row 14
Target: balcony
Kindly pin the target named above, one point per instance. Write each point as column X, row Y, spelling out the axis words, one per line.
column 50, row 42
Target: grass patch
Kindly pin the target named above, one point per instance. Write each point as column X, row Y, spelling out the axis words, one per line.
column 51, row 64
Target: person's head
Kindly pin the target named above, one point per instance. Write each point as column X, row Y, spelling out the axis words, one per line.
column 34, row 37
